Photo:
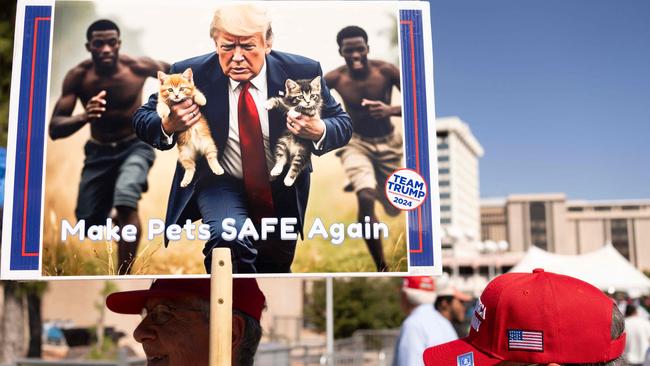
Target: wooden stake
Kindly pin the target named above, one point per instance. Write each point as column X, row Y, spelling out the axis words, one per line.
column 221, row 308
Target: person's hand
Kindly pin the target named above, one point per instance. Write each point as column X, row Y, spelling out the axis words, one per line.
column 182, row 116
column 96, row 106
column 377, row 108
column 310, row 128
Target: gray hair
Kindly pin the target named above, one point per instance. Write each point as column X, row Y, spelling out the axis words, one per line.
column 617, row 328
column 251, row 339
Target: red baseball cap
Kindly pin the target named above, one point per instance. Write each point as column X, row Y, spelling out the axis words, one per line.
column 535, row 318
column 247, row 296
column 424, row 283
column 419, row 289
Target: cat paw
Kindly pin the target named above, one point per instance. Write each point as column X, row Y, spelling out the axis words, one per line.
column 187, row 178
column 293, row 113
column 269, row 104
column 199, row 99
column 216, row 169
column 163, row 110
column 277, row 170
column 288, row 181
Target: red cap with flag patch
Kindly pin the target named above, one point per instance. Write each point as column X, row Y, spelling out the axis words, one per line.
column 535, row 318
column 246, row 295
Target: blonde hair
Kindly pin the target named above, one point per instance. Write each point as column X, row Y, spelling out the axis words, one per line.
column 241, row 20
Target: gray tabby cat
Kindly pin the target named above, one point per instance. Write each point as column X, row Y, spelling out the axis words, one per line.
column 301, row 97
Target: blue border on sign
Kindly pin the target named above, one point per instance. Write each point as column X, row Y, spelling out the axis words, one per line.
column 30, row 142
column 416, row 133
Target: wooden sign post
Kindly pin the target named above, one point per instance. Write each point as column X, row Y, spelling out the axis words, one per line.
column 221, row 308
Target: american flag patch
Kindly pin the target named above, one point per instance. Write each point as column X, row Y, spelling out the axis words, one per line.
column 526, row 340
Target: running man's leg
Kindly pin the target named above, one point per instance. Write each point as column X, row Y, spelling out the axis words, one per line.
column 131, row 182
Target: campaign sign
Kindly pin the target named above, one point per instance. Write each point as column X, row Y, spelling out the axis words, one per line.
column 144, row 134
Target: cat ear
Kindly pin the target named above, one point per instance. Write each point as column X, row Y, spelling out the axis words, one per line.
column 291, row 85
column 161, row 76
column 315, row 84
column 187, row 74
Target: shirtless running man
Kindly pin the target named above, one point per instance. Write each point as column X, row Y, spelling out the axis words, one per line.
column 375, row 150
column 115, row 170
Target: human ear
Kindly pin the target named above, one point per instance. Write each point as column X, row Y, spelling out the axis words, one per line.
column 238, row 328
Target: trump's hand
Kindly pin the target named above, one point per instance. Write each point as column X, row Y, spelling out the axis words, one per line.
column 182, row 116
column 310, row 128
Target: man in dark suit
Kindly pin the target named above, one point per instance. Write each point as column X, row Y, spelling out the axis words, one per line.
column 236, row 81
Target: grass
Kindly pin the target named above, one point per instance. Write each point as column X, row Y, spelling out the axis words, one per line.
column 327, row 201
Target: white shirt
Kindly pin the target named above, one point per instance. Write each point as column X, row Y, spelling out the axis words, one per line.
column 231, row 160
column 638, row 338
column 425, row 327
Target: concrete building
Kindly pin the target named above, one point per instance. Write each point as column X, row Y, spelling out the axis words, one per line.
column 493, row 219
column 553, row 223
column 458, row 176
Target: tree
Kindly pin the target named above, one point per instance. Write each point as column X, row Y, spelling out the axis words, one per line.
column 12, row 327
column 359, row 303
column 34, row 291
column 109, row 288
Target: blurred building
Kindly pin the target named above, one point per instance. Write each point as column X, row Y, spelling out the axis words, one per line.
column 555, row 224
column 493, row 219
column 458, row 176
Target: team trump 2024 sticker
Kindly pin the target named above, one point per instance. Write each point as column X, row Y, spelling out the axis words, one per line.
column 406, row 189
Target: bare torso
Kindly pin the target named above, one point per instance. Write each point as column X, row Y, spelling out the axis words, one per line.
column 376, row 85
column 123, row 89
column 123, row 97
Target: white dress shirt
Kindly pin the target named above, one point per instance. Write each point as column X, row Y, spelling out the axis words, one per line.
column 425, row 327
column 231, row 160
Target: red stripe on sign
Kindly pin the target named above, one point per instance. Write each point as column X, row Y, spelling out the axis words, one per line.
column 29, row 136
column 415, row 122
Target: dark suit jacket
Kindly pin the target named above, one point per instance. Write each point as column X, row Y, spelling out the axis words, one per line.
column 209, row 78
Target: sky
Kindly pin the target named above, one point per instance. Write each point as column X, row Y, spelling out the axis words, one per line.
column 556, row 92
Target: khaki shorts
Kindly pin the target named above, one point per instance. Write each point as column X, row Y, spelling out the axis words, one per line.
column 369, row 161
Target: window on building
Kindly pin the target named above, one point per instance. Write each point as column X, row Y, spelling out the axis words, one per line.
column 445, row 208
column 576, row 209
column 445, row 220
column 444, row 183
column 620, row 239
column 443, row 171
column 443, row 146
column 445, row 195
column 631, row 208
column 443, row 158
column 538, row 234
column 602, row 208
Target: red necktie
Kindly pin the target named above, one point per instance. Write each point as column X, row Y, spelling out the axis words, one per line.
column 255, row 172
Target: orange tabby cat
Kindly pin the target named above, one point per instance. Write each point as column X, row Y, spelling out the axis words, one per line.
column 196, row 140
